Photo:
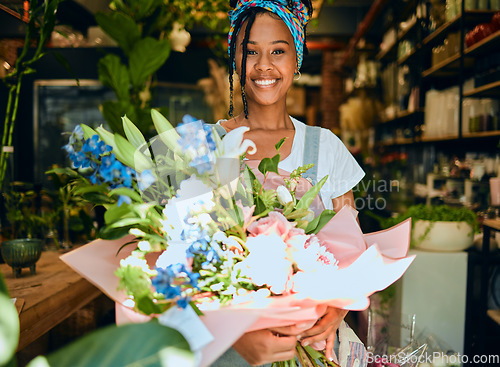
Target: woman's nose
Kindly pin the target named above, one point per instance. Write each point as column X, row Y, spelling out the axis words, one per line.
column 263, row 63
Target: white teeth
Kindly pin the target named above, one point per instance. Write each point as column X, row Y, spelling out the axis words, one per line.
column 265, row 81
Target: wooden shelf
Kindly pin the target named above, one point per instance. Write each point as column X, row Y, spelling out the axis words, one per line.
column 491, row 90
column 392, row 142
column 471, row 17
column 405, row 59
column 405, row 115
column 484, row 46
column 481, row 134
column 411, row 28
column 389, row 52
column 447, row 67
column 433, row 139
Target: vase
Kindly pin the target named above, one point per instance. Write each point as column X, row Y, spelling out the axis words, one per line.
column 22, row 253
column 442, row 236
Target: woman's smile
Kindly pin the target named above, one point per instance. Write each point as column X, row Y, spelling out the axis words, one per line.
column 265, row 82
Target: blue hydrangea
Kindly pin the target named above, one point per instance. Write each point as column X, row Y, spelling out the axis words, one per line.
column 145, row 179
column 197, row 141
column 171, row 280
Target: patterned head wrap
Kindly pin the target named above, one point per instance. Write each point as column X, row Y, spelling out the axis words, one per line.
column 295, row 17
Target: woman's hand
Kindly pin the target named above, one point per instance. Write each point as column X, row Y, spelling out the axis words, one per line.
column 324, row 329
column 266, row 346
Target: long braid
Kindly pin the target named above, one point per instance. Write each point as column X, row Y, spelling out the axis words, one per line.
column 232, row 55
column 251, row 19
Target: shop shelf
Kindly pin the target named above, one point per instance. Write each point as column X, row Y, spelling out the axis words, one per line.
column 471, row 17
column 484, row 46
column 395, row 142
column 406, row 59
column 434, row 139
column 409, row 30
column 481, row 134
column 405, row 116
column 388, row 53
column 446, row 68
column 490, row 90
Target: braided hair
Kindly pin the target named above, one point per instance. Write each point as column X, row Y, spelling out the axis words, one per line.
column 249, row 15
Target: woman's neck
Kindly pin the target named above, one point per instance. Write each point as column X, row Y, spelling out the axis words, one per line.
column 266, row 118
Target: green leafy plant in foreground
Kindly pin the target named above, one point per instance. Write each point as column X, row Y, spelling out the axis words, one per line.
column 110, row 346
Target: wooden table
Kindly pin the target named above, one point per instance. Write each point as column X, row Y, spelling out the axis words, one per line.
column 48, row 297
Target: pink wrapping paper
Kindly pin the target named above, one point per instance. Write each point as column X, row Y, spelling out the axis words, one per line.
column 368, row 263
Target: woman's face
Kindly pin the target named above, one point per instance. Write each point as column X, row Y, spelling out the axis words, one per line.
column 271, row 60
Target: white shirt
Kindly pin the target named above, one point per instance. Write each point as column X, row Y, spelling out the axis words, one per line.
column 334, row 160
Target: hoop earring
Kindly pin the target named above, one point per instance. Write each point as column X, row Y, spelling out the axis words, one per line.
column 299, row 75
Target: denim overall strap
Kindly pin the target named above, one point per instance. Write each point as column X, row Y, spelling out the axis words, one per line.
column 219, row 130
column 311, row 152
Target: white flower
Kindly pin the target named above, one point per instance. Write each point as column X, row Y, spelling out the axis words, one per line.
column 266, row 262
column 228, row 153
column 144, row 246
column 284, row 196
column 174, row 254
column 310, row 215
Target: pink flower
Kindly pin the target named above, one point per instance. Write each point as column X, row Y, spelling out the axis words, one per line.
column 275, row 223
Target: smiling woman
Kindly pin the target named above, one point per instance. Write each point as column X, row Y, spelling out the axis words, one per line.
column 266, row 49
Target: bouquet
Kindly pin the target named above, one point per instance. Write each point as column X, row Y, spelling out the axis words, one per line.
column 241, row 243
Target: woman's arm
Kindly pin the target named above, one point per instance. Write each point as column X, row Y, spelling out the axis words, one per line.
column 346, row 199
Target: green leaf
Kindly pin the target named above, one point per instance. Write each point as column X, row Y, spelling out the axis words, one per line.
column 121, row 27
column 306, row 200
column 115, row 213
column 63, row 171
column 165, row 130
column 127, row 192
column 127, row 222
column 113, row 112
column 134, row 135
column 319, row 222
column 3, row 286
column 62, row 60
column 88, row 132
column 147, row 56
column 9, row 328
column 279, row 144
column 132, row 157
column 146, row 305
column 269, row 165
column 119, row 346
column 113, row 74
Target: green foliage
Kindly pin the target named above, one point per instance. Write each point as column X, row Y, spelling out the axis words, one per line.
column 141, row 29
column 42, row 19
column 435, row 213
column 9, row 326
column 119, row 346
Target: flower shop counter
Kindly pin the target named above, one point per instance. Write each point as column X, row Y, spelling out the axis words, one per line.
column 47, row 298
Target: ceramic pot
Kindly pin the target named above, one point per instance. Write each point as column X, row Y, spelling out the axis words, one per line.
column 22, row 253
column 442, row 236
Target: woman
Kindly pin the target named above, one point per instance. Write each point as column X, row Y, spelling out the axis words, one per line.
column 266, row 45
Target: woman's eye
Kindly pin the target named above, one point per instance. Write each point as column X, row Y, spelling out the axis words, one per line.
column 251, row 52
column 278, row 52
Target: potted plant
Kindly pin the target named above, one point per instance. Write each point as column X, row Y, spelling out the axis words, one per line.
column 25, row 230
column 439, row 227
